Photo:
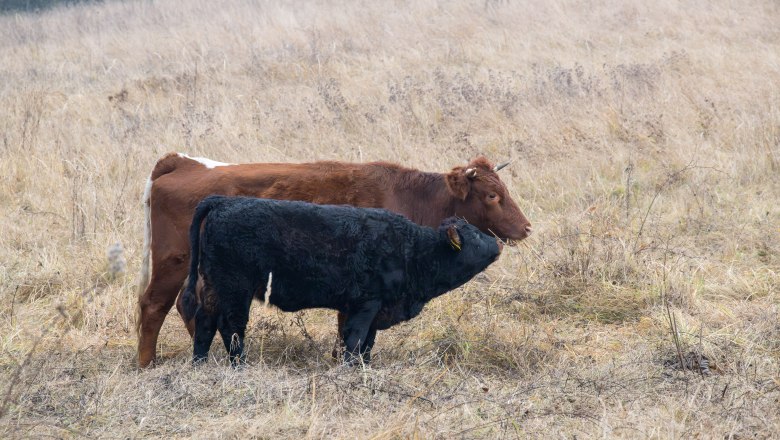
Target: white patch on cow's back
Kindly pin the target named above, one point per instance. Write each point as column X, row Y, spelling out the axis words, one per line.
column 208, row 163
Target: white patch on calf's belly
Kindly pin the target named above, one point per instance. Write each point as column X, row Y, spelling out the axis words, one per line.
column 208, row 163
column 267, row 296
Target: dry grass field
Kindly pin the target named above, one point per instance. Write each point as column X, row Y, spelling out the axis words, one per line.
column 645, row 148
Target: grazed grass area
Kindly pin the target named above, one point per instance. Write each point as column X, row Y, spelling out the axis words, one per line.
column 645, row 140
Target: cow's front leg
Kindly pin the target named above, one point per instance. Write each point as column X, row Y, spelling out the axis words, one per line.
column 356, row 330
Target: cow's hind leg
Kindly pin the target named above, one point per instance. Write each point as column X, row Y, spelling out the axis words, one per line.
column 181, row 307
column 356, row 330
column 154, row 304
column 205, row 329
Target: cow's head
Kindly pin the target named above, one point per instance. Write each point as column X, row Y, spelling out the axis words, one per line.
column 483, row 200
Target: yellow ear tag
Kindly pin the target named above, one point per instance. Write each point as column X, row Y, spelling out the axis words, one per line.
column 455, row 245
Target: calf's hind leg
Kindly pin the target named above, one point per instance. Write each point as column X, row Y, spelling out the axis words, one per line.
column 232, row 324
column 357, row 329
column 205, row 328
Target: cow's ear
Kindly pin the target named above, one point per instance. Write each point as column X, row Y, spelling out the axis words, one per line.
column 459, row 181
column 452, row 234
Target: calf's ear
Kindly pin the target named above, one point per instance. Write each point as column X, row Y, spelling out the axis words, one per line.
column 452, row 234
column 459, row 181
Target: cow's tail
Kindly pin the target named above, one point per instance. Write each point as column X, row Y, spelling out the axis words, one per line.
column 189, row 299
column 143, row 277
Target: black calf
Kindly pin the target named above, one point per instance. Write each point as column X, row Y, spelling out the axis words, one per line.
column 375, row 266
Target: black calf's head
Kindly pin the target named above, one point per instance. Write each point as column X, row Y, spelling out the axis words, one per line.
column 471, row 249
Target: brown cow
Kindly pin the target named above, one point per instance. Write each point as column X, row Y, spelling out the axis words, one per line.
column 179, row 182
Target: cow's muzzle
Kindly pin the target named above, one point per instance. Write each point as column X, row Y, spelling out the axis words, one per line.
column 527, row 230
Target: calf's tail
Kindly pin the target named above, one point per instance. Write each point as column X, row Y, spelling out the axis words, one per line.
column 189, row 298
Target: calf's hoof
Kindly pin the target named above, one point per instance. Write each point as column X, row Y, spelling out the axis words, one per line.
column 238, row 362
column 351, row 360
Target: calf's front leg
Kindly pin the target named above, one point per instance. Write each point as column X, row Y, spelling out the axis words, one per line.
column 357, row 328
column 370, row 338
column 338, row 344
column 232, row 325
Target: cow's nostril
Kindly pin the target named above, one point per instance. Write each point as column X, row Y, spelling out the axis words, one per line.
column 500, row 245
column 528, row 230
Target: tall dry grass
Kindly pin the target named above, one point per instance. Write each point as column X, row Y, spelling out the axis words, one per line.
column 645, row 140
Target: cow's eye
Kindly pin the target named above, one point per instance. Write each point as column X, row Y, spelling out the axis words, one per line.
column 492, row 196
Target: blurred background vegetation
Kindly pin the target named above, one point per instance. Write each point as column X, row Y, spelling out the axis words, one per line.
column 7, row 6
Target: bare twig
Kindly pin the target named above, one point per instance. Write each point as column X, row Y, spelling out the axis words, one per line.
column 669, row 314
column 671, row 178
column 62, row 316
